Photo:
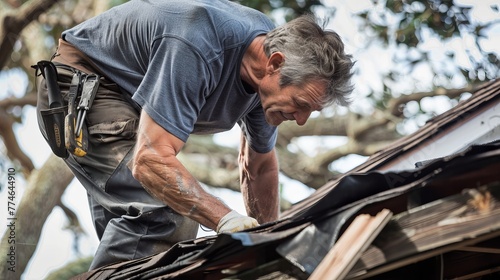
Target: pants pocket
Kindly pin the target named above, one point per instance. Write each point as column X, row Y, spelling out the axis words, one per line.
column 108, row 132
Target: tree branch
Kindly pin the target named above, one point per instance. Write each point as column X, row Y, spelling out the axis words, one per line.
column 14, row 22
column 73, row 221
column 321, row 126
column 395, row 104
column 14, row 152
column 28, row 99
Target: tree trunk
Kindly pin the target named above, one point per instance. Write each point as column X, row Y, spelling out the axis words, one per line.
column 43, row 191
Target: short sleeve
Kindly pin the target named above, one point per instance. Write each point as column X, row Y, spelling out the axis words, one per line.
column 260, row 135
column 175, row 86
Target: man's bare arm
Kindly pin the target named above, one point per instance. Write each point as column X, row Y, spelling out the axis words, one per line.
column 157, row 168
column 259, row 183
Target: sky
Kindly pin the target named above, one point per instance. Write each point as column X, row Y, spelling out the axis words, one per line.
column 57, row 244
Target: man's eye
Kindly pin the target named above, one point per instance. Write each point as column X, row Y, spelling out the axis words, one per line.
column 304, row 105
column 300, row 104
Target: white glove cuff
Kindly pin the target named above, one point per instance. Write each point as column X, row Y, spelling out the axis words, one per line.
column 234, row 222
column 229, row 216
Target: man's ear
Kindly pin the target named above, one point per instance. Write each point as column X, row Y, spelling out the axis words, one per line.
column 275, row 61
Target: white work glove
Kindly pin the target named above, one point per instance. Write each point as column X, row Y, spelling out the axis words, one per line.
column 233, row 222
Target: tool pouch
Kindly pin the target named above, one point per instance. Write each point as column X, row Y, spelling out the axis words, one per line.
column 76, row 143
column 53, row 120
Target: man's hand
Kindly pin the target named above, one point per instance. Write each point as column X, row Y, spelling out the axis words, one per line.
column 233, row 222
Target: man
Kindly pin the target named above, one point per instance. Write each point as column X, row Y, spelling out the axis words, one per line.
column 173, row 68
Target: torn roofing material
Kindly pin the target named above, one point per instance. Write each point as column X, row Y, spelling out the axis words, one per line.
column 293, row 247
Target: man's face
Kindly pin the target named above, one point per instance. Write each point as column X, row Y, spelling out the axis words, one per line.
column 291, row 103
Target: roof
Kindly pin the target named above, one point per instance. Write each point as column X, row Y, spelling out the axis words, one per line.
column 382, row 219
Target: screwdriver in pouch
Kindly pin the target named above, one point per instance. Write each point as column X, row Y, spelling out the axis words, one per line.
column 76, row 143
column 89, row 91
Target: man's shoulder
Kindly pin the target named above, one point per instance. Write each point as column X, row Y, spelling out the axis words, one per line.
column 214, row 12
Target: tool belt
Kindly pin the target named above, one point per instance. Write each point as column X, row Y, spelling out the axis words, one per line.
column 65, row 124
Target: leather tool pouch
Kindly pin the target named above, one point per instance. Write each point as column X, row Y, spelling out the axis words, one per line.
column 53, row 118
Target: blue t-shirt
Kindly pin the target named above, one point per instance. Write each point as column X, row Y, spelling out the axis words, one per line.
column 180, row 60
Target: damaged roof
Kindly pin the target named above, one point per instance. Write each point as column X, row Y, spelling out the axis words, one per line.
column 425, row 207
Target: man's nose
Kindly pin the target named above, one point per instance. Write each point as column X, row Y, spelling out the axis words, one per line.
column 301, row 117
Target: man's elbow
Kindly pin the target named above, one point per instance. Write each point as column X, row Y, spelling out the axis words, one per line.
column 146, row 165
column 139, row 165
column 137, row 168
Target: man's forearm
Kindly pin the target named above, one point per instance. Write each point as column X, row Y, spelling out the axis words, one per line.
column 261, row 196
column 166, row 179
column 259, row 183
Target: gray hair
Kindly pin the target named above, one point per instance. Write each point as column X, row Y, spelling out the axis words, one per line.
column 312, row 53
